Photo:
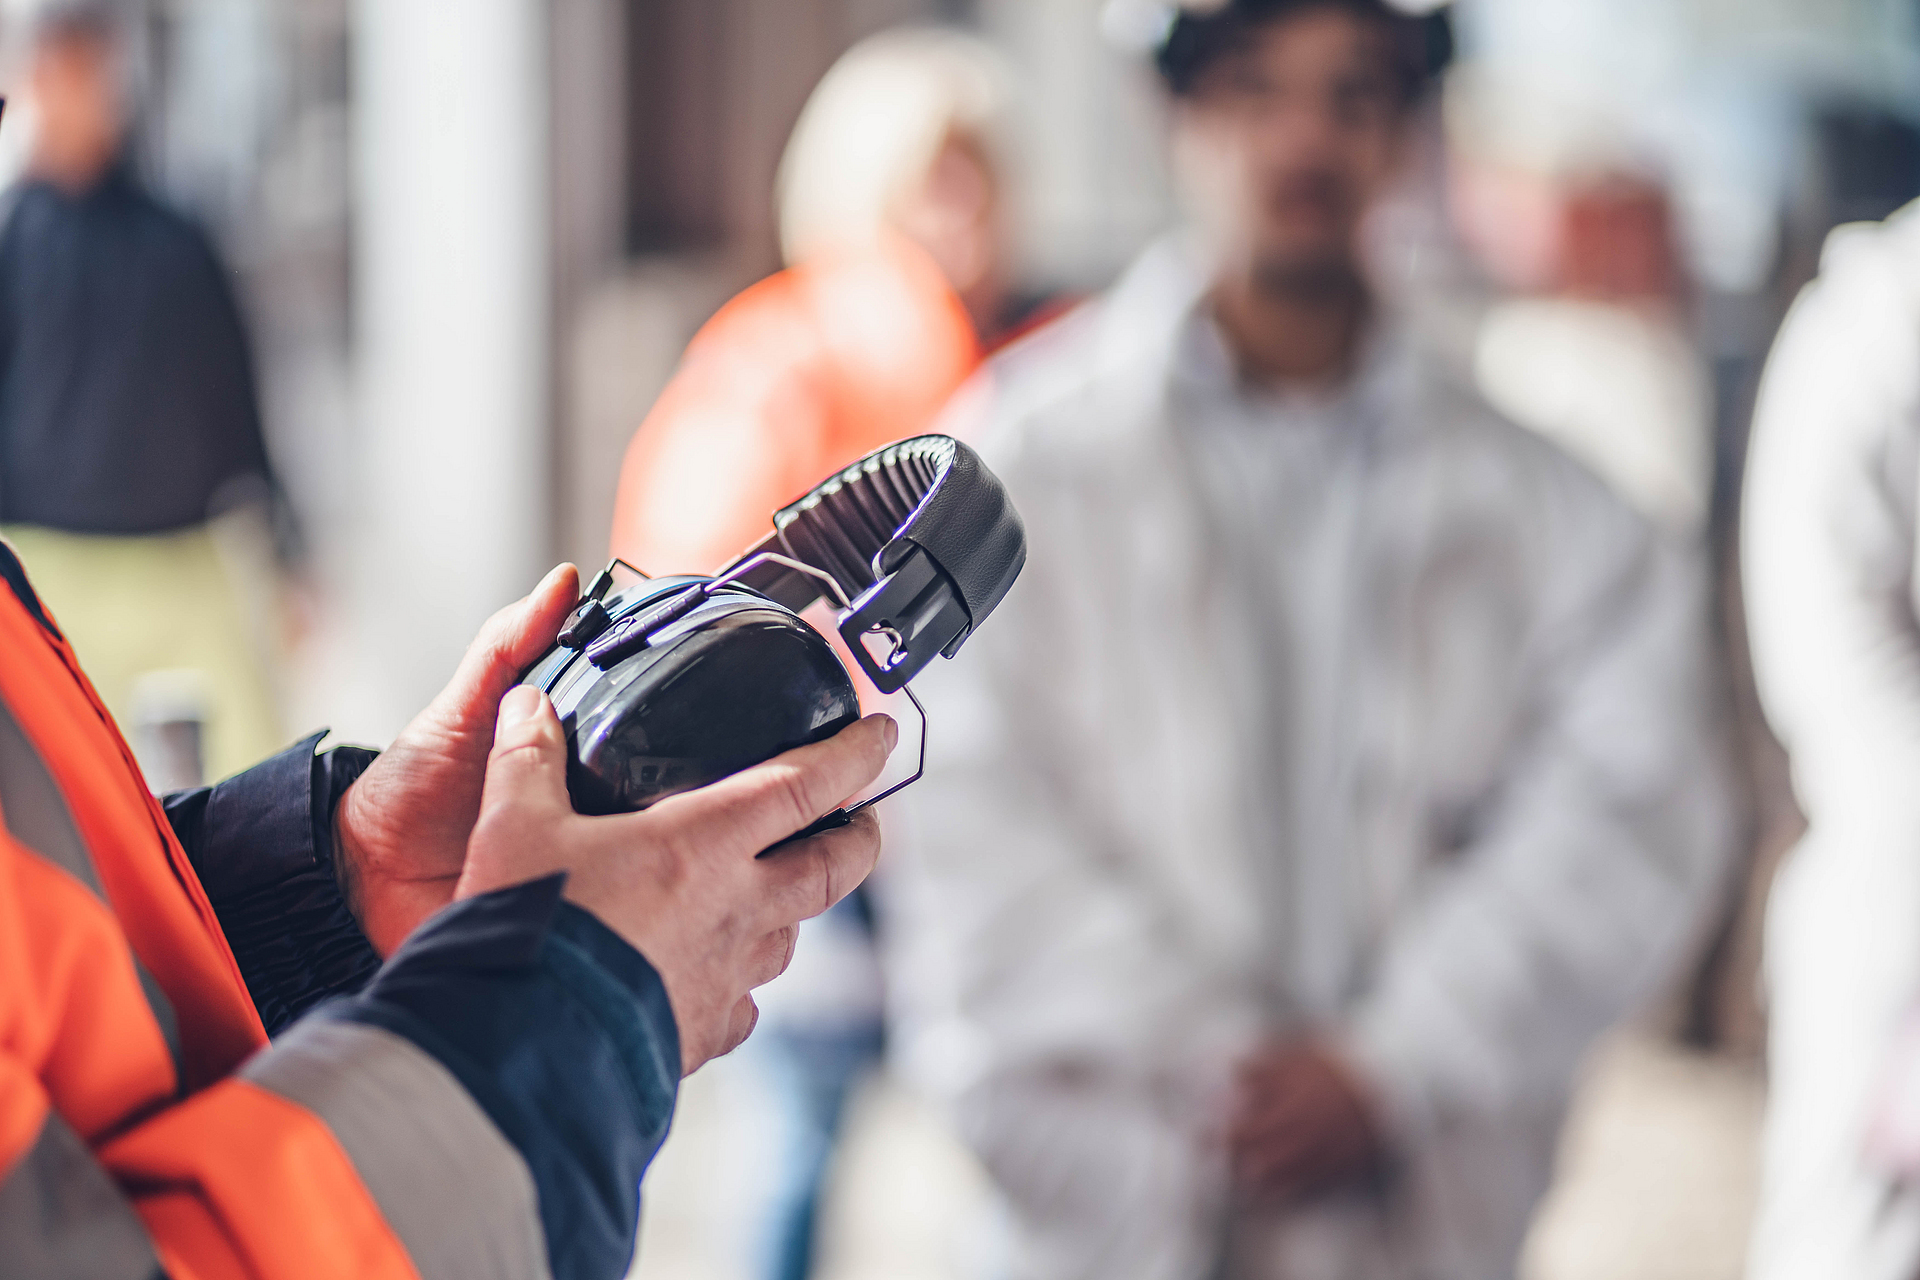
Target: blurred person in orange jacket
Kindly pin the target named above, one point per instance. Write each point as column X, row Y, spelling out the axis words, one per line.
column 890, row 221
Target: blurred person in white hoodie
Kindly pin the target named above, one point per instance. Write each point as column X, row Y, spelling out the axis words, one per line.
column 1833, row 604
column 1345, row 762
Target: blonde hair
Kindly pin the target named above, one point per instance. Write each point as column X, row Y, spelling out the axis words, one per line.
column 873, row 128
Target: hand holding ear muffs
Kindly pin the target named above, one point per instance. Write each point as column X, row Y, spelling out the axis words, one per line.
column 667, row 684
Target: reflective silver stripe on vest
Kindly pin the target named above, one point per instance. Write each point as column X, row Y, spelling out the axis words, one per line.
column 452, row 1187
column 37, row 816
column 61, row 1217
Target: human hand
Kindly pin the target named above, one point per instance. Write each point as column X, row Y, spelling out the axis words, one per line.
column 681, row 881
column 401, row 829
column 1303, row 1122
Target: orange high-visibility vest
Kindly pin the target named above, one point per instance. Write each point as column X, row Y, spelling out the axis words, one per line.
column 229, row 1179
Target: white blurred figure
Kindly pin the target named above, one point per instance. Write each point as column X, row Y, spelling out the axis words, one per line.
column 1590, row 347
column 1833, row 604
column 1345, row 761
column 1620, row 388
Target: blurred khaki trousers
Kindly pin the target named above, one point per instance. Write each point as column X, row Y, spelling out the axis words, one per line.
column 175, row 616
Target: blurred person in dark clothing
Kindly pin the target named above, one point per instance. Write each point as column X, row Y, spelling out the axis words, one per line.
column 129, row 418
column 1346, row 761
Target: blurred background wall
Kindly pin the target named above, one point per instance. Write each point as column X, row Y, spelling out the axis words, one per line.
column 473, row 238
column 484, row 230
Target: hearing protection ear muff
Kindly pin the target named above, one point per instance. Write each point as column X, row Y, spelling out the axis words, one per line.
column 667, row 684
column 920, row 540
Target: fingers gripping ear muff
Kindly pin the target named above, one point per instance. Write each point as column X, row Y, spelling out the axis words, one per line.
column 663, row 685
column 919, row 537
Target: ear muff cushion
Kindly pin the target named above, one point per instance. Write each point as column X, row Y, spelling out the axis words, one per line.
column 968, row 525
column 932, row 492
column 844, row 523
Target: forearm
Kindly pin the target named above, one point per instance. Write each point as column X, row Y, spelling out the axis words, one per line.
column 262, row 845
column 554, row 1028
column 484, row 1111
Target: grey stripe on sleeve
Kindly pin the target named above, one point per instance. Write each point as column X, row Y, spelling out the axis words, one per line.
column 37, row 813
column 453, row 1188
column 62, row 1218
column 37, row 816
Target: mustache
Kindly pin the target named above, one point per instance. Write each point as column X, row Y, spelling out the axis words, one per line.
column 1312, row 280
column 1319, row 189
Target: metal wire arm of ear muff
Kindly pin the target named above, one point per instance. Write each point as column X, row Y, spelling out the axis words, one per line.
column 842, row 816
column 837, row 818
column 919, row 769
column 787, row 562
column 741, row 570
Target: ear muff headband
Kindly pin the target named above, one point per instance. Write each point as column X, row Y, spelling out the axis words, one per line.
column 920, row 538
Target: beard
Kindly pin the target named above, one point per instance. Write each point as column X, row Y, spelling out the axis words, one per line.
column 1311, row 279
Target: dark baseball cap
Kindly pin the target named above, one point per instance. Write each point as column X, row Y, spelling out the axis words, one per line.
column 1183, row 37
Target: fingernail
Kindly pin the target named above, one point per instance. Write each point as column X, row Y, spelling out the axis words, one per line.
column 893, row 732
column 521, row 702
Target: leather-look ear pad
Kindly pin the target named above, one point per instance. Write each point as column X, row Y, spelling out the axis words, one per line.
column 929, row 492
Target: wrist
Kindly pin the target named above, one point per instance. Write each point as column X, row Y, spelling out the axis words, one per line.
column 692, row 1007
column 346, row 855
column 353, row 871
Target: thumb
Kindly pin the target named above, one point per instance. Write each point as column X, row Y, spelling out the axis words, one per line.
column 527, row 768
column 507, row 645
column 532, row 623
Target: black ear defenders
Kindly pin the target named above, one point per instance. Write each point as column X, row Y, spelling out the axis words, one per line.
column 667, row 684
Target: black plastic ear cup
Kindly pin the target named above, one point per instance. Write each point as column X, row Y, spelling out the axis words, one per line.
column 734, row 680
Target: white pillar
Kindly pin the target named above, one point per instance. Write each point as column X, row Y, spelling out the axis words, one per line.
column 452, row 338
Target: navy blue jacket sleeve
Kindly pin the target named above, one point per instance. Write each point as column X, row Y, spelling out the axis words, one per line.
column 563, row 1035
column 560, row 1031
column 262, row 844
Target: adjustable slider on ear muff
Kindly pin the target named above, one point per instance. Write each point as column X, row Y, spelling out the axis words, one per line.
column 912, row 614
column 630, row 635
column 589, row 618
